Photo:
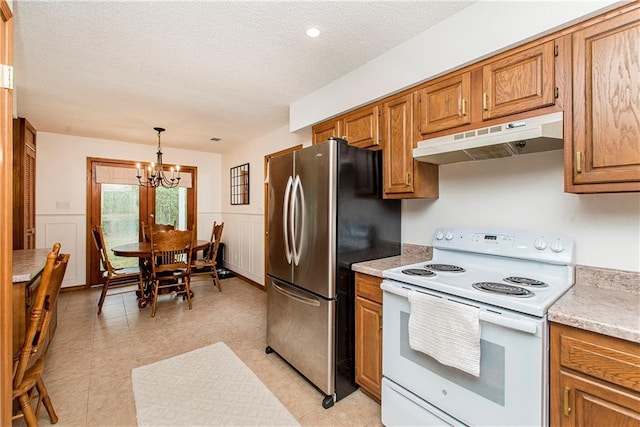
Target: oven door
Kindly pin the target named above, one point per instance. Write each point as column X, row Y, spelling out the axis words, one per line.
column 513, row 382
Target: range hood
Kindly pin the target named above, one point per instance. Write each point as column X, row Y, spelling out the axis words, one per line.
column 532, row 135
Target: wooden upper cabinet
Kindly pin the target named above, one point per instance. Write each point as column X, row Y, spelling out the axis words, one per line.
column 445, row 104
column 24, row 184
column 519, row 82
column 361, row 127
column 605, row 155
column 404, row 177
column 325, row 130
column 397, row 157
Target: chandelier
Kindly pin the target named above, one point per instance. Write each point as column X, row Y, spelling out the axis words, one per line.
column 156, row 176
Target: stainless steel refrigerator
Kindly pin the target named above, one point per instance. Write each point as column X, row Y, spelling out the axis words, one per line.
column 325, row 212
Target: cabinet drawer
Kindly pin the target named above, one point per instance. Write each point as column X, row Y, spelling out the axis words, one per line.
column 369, row 287
column 610, row 359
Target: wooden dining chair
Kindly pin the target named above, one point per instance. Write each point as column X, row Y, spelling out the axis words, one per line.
column 171, row 262
column 149, row 229
column 206, row 265
column 27, row 378
column 115, row 277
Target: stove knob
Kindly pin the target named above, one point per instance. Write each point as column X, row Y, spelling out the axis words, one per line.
column 557, row 246
column 439, row 235
column 449, row 236
column 540, row 244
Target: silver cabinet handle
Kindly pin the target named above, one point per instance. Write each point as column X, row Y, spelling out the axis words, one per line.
column 285, row 218
column 299, row 298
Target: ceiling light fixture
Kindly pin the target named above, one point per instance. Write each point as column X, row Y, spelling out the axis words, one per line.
column 313, row 32
column 155, row 173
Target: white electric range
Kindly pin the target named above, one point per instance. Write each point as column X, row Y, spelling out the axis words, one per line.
column 512, row 277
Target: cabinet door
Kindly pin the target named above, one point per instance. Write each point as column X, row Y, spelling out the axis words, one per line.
column 589, row 403
column 520, row 82
column 397, row 136
column 324, row 131
column 445, row 104
column 361, row 127
column 606, row 105
column 369, row 346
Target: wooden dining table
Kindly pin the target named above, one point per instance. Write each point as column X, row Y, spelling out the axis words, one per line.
column 142, row 251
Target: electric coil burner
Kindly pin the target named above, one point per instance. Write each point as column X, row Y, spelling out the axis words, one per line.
column 445, row 268
column 418, row 272
column 525, row 274
column 503, row 288
column 525, row 281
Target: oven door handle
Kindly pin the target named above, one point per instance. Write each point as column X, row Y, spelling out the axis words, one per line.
column 485, row 316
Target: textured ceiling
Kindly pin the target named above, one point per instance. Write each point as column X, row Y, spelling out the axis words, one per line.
column 201, row 69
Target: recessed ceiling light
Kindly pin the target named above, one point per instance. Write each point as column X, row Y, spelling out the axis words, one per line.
column 313, row 32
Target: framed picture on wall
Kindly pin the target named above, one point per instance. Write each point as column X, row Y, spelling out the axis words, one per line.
column 239, row 181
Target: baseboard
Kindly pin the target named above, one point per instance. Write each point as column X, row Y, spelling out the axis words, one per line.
column 249, row 281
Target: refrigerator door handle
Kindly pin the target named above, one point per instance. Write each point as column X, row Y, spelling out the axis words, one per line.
column 285, row 218
column 297, row 251
column 309, row 301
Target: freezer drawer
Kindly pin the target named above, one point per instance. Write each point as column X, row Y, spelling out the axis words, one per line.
column 300, row 328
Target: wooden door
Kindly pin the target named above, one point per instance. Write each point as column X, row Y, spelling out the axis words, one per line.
column 139, row 208
column 323, row 131
column 6, row 197
column 520, row 82
column 445, row 104
column 397, row 136
column 361, row 127
column 24, row 183
column 606, row 106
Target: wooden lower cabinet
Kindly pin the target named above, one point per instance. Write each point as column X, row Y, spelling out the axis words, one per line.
column 369, row 335
column 595, row 379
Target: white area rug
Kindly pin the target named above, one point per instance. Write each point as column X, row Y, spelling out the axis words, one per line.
column 210, row 386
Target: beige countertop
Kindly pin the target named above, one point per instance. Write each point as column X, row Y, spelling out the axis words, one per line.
column 602, row 300
column 27, row 263
column 410, row 255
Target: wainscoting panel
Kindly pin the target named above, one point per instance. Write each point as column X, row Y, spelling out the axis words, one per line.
column 68, row 230
column 244, row 245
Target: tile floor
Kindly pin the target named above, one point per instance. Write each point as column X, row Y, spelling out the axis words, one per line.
column 88, row 367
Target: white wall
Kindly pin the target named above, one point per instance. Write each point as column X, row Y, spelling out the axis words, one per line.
column 527, row 193
column 243, row 233
column 61, row 181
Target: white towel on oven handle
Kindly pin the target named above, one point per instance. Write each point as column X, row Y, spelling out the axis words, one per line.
column 445, row 330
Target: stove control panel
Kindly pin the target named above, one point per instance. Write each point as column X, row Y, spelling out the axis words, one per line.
column 550, row 248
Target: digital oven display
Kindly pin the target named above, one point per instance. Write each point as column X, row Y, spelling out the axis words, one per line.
column 490, row 237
